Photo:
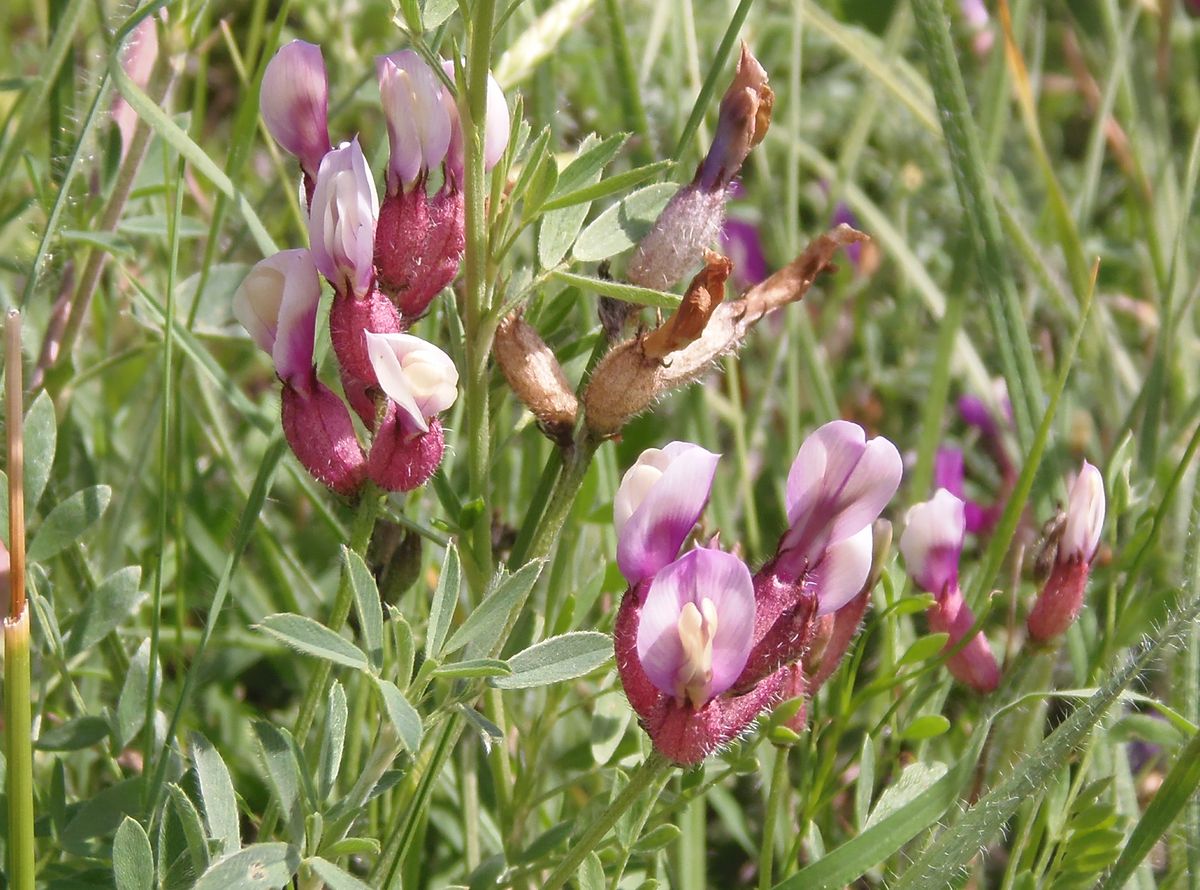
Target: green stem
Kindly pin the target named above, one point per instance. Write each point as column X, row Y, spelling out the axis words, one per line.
column 360, row 538
column 475, row 264
column 775, row 799
column 18, row 732
column 634, row 789
column 575, row 465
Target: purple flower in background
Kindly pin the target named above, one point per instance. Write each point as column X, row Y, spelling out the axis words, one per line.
column 294, row 100
column 978, row 22
column 842, row 214
column 949, row 473
column 1061, row 598
column 932, row 545
column 742, row 243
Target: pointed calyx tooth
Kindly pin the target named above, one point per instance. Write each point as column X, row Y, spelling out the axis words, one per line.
column 704, row 294
column 628, row 380
column 536, row 377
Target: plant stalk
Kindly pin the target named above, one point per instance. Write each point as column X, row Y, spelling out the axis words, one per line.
column 641, row 778
column 18, row 711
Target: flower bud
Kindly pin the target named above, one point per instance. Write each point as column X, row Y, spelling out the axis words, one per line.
column 341, row 223
column 419, row 246
column 1061, row 598
column 495, row 133
column 742, row 123
column 418, row 112
column 277, row 304
column 294, row 100
column 318, row 428
column 536, row 377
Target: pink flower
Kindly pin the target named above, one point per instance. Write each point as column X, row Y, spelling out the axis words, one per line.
column 295, row 103
column 277, row 304
column 838, row 484
column 681, row 649
column 420, row 382
column 657, row 504
column 1061, row 598
column 932, row 545
column 419, row 117
column 341, row 223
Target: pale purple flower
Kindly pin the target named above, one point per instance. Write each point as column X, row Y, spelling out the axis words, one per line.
column 419, row 116
column 742, row 243
column 294, row 100
column 1085, row 516
column 696, row 625
column 341, row 223
column 657, row 504
column 417, row 376
column 838, row 485
column 496, row 127
column 1061, row 597
column 843, row 215
column 932, row 541
column 277, row 304
column 932, row 545
column 978, row 23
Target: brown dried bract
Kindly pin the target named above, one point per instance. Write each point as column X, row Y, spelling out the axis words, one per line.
column 534, row 374
column 704, row 295
column 629, row 380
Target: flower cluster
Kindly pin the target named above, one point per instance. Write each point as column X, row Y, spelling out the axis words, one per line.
column 385, row 265
column 703, row 646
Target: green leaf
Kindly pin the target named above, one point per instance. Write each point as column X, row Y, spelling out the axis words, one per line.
column 591, row 873
column 133, row 860
column 41, row 435
column 102, row 814
column 924, row 649
column 445, row 599
column 113, row 601
column 216, row 793
column 657, row 839
column 403, row 716
column 193, row 827
column 927, row 726
column 610, row 185
column 485, row 625
column 915, row 780
column 305, row 635
column 283, row 772
column 556, row 659
column 333, row 741
column 434, row 12
column 334, row 877
column 630, row 293
column 476, row 667
column 624, row 224
column 864, row 785
column 610, row 718
column 367, row 604
column 258, row 867
column 82, row 732
column 130, row 714
column 68, row 521
column 594, row 155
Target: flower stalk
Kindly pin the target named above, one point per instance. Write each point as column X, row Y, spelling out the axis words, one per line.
column 18, row 717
